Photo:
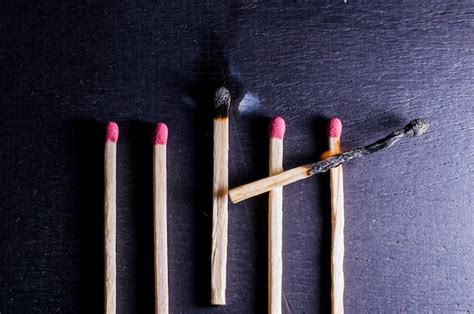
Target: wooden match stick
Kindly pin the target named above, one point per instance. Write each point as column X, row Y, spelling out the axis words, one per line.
column 416, row 127
column 110, row 217
column 337, row 205
column 219, row 195
column 275, row 218
column 160, row 218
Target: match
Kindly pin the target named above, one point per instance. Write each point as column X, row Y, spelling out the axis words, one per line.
column 220, row 196
column 337, row 214
column 275, row 218
column 160, row 140
column 110, row 217
column 415, row 128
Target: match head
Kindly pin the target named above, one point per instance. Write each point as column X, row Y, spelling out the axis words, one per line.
column 160, row 137
column 221, row 102
column 112, row 132
column 417, row 127
column 277, row 128
column 334, row 128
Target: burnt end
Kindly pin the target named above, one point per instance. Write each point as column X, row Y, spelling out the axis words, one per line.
column 417, row 127
column 221, row 112
column 221, row 102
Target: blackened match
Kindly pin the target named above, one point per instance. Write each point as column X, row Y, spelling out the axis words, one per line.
column 415, row 128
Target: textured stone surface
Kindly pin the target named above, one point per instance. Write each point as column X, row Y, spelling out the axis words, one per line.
column 67, row 69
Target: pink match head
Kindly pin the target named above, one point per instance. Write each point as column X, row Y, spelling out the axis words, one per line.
column 277, row 128
column 334, row 127
column 112, row 132
column 160, row 137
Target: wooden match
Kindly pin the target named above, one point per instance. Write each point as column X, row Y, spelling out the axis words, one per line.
column 220, row 196
column 337, row 214
column 160, row 139
column 110, row 217
column 275, row 218
column 415, row 128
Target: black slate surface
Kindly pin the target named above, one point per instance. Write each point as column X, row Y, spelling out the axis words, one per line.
column 67, row 68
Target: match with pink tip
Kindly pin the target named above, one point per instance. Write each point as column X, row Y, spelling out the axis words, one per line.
column 110, row 218
column 275, row 218
column 334, row 127
column 112, row 132
column 277, row 128
column 160, row 136
column 337, row 212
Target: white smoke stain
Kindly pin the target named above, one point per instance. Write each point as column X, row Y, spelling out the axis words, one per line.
column 249, row 103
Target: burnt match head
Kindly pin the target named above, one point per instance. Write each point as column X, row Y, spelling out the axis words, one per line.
column 416, row 127
column 221, row 102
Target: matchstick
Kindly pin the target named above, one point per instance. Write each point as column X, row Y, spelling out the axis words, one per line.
column 275, row 218
column 160, row 218
column 220, row 198
column 337, row 213
column 110, row 216
column 415, row 128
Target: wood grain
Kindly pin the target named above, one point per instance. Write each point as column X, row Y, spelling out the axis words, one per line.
column 220, row 213
column 275, row 230
column 110, row 227
column 160, row 229
column 337, row 238
column 267, row 184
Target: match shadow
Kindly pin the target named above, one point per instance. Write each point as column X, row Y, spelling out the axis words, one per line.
column 203, row 202
column 320, row 132
column 90, row 137
column 260, row 155
column 139, row 140
column 211, row 71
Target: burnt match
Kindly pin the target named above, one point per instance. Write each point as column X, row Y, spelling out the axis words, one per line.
column 219, row 196
column 415, row 128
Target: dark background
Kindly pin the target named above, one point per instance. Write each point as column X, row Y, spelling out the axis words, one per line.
column 68, row 68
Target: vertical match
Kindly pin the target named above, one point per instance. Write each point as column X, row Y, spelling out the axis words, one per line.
column 275, row 218
column 160, row 140
column 219, row 196
column 110, row 217
column 337, row 214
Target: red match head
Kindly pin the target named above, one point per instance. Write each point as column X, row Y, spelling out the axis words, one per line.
column 160, row 137
column 277, row 128
column 334, row 127
column 112, row 132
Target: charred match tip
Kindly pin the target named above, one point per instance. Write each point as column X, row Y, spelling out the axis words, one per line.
column 222, row 101
column 277, row 128
column 334, row 127
column 160, row 137
column 222, row 97
column 112, row 132
column 417, row 127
